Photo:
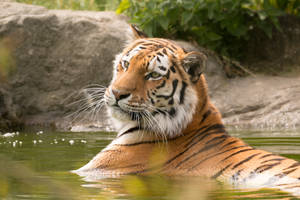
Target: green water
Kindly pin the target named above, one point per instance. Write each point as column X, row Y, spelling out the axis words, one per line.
column 37, row 166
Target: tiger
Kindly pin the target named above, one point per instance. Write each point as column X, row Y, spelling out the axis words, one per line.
column 158, row 99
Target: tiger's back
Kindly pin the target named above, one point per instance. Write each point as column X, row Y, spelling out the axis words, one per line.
column 159, row 104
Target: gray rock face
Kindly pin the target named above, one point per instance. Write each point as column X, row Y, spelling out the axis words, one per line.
column 261, row 102
column 56, row 53
column 47, row 57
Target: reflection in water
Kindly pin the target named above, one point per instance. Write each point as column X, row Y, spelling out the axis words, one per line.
column 38, row 165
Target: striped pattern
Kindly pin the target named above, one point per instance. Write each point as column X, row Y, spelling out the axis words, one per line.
column 163, row 111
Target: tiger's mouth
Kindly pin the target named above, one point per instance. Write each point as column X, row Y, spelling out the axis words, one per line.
column 133, row 112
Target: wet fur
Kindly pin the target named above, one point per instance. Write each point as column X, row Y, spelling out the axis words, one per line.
column 193, row 141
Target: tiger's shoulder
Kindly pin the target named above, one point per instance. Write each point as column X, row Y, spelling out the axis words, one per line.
column 159, row 104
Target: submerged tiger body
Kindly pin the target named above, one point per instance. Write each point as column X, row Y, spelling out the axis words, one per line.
column 159, row 104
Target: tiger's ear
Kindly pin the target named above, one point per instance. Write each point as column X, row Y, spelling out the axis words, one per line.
column 138, row 34
column 194, row 63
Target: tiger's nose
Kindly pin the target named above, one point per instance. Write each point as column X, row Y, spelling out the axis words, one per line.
column 120, row 95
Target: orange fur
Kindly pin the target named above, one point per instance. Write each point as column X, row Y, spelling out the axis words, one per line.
column 202, row 147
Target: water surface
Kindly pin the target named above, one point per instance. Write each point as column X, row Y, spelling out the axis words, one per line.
column 36, row 165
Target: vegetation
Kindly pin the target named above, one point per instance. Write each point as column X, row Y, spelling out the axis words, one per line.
column 224, row 26
column 75, row 4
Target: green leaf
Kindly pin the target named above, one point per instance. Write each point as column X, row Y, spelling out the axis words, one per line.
column 124, row 5
column 186, row 17
column 188, row 5
column 213, row 36
column 148, row 28
column 164, row 22
column 211, row 9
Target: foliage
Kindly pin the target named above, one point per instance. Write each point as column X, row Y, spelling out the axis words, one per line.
column 75, row 4
column 221, row 25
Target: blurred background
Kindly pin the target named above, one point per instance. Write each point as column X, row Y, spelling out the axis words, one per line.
column 56, row 58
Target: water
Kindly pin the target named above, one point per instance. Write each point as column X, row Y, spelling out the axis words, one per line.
column 36, row 165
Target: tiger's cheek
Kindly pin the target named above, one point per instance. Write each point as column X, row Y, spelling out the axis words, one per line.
column 158, row 95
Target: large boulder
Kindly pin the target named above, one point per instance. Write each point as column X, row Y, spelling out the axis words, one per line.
column 48, row 56
column 260, row 102
column 55, row 53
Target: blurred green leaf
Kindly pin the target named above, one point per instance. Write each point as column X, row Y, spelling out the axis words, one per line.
column 186, row 17
column 124, row 5
column 164, row 22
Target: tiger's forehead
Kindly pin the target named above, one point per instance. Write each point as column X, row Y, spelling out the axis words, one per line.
column 155, row 52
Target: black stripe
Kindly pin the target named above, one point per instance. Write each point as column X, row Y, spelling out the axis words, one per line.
column 245, row 160
column 216, row 138
column 230, row 143
column 195, row 133
column 171, row 102
column 282, row 174
column 205, row 148
column 158, row 111
column 188, row 146
column 267, row 155
column 149, row 142
column 173, row 47
column 138, row 143
column 170, row 49
column 206, row 114
column 293, row 165
column 152, row 101
column 158, row 59
column 172, row 112
column 129, row 131
column 165, row 51
column 168, row 74
column 147, row 65
column 174, row 84
column 193, row 143
column 182, row 92
column 161, row 85
column 158, row 53
column 148, row 44
column 235, row 153
column 263, row 168
column 214, row 155
column 218, row 128
column 162, row 68
column 172, row 68
column 204, row 103
column 220, row 172
column 275, row 159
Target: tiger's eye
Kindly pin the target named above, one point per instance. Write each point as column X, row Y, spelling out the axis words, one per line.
column 155, row 75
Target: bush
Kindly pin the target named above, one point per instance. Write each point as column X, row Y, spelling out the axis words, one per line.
column 224, row 26
column 75, row 4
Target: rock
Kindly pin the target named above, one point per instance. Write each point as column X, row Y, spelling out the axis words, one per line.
column 48, row 56
column 56, row 53
column 276, row 55
column 261, row 102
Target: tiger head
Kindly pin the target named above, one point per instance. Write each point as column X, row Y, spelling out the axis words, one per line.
column 154, row 86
